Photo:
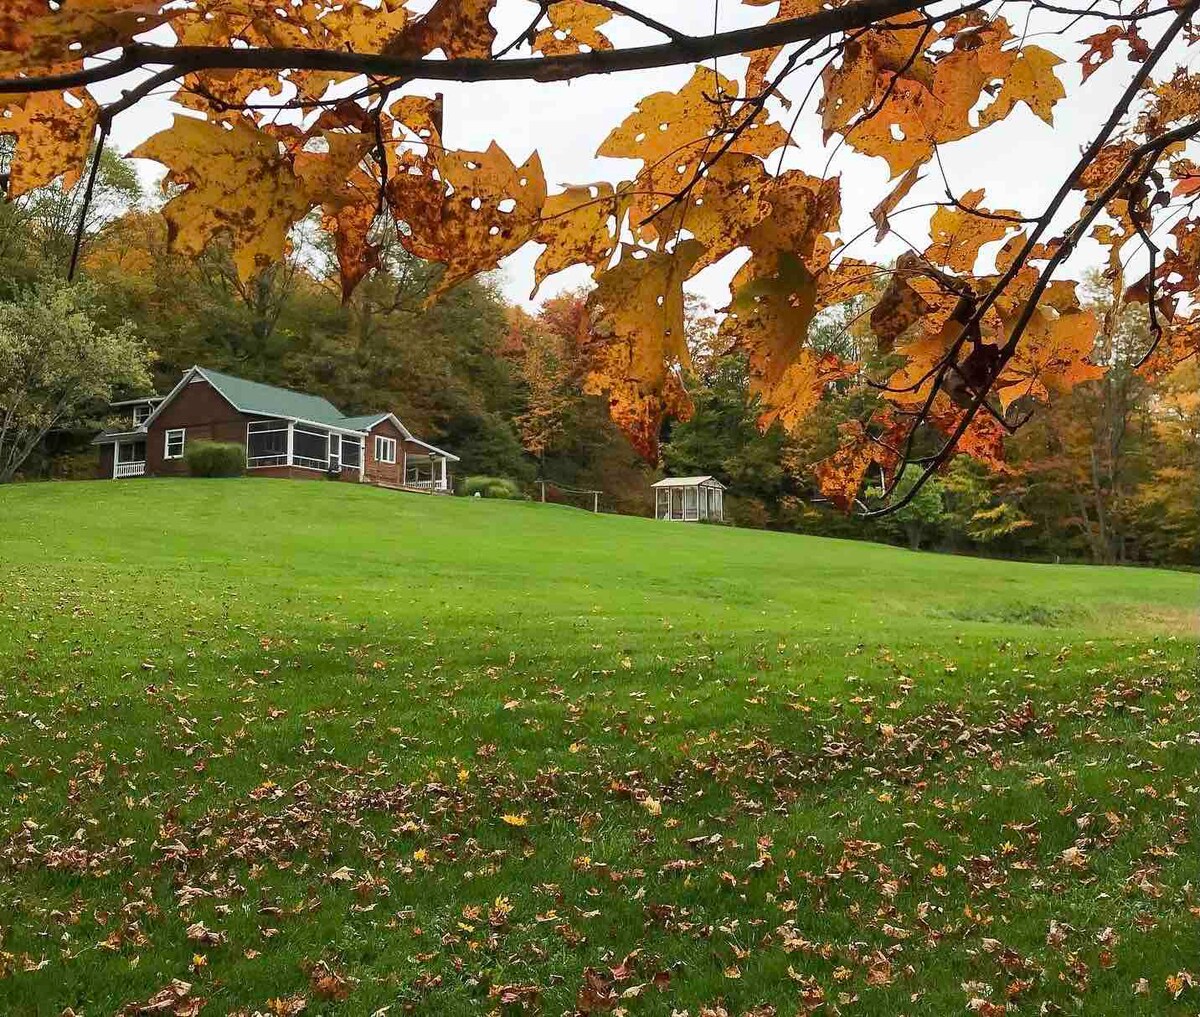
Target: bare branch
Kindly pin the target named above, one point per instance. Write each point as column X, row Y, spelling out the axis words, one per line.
column 184, row 59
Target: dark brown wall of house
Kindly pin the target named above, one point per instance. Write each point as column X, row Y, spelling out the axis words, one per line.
column 385, row 473
column 104, row 470
column 205, row 414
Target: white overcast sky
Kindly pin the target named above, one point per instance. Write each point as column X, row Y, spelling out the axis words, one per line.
column 1020, row 161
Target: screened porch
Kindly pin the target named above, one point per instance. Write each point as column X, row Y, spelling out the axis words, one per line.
column 273, row 443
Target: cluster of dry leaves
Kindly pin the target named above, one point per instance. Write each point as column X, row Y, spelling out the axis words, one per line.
column 704, row 868
column 972, row 353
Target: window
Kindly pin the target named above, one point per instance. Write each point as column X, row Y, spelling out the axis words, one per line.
column 385, row 449
column 310, row 447
column 351, row 452
column 131, row 452
column 266, row 443
column 141, row 414
column 176, row 439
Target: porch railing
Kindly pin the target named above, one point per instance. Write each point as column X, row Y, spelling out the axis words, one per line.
column 129, row 470
column 428, row 485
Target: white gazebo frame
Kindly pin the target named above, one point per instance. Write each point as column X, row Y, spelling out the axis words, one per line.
column 689, row 499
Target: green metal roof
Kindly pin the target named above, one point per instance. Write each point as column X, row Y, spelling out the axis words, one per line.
column 255, row 397
column 363, row 423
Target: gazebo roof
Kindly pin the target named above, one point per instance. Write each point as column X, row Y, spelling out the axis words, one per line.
column 688, row 482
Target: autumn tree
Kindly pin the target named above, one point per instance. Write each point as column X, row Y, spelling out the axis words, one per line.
column 56, row 365
column 1167, row 504
column 547, row 362
column 40, row 229
column 311, row 107
column 563, row 423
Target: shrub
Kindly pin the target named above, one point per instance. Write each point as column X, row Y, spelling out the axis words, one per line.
column 491, row 487
column 215, row 459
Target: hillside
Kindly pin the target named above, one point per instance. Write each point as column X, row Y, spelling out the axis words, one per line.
column 290, row 742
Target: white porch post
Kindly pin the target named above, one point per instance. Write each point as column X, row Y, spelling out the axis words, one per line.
column 291, row 440
column 116, row 457
column 362, row 459
column 443, row 487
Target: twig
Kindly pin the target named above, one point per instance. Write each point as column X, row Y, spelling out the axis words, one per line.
column 88, row 193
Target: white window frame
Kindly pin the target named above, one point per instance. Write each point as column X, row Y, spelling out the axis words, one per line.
column 141, row 414
column 181, row 432
column 385, row 450
column 353, row 443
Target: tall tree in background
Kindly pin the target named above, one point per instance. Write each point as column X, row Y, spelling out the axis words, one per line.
column 1167, row 504
column 39, row 228
column 56, row 365
column 1084, row 456
column 565, row 427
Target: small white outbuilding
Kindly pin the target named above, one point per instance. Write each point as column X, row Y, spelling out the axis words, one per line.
column 689, row 499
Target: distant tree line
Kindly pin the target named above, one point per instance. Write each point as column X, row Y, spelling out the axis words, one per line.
column 1109, row 474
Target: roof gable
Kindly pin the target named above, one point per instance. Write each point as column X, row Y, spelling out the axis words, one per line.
column 689, row 482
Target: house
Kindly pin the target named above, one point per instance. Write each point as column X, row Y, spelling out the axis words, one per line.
column 285, row 434
column 689, row 499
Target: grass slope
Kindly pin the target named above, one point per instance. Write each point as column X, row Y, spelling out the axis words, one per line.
column 304, row 744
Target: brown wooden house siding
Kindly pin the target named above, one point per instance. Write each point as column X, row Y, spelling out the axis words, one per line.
column 376, row 472
column 205, row 414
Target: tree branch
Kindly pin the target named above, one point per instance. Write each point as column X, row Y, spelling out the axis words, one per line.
column 184, row 59
column 1183, row 17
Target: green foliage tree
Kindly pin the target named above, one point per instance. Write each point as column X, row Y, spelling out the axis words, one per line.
column 975, row 507
column 57, row 366
column 38, row 230
column 921, row 520
column 1167, row 505
column 723, row 438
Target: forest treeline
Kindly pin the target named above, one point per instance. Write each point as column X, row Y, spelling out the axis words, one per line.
column 1109, row 473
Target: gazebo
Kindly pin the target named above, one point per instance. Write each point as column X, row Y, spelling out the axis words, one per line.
column 689, row 499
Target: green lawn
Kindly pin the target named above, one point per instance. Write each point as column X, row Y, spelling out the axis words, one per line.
column 307, row 743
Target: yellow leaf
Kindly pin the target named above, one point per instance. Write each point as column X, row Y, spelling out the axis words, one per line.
column 492, row 209
column 573, row 26
column 53, row 138
column 880, row 213
column 957, row 233
column 459, row 28
column 577, row 226
column 239, row 183
column 1032, row 81
column 1051, row 357
column 636, row 346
